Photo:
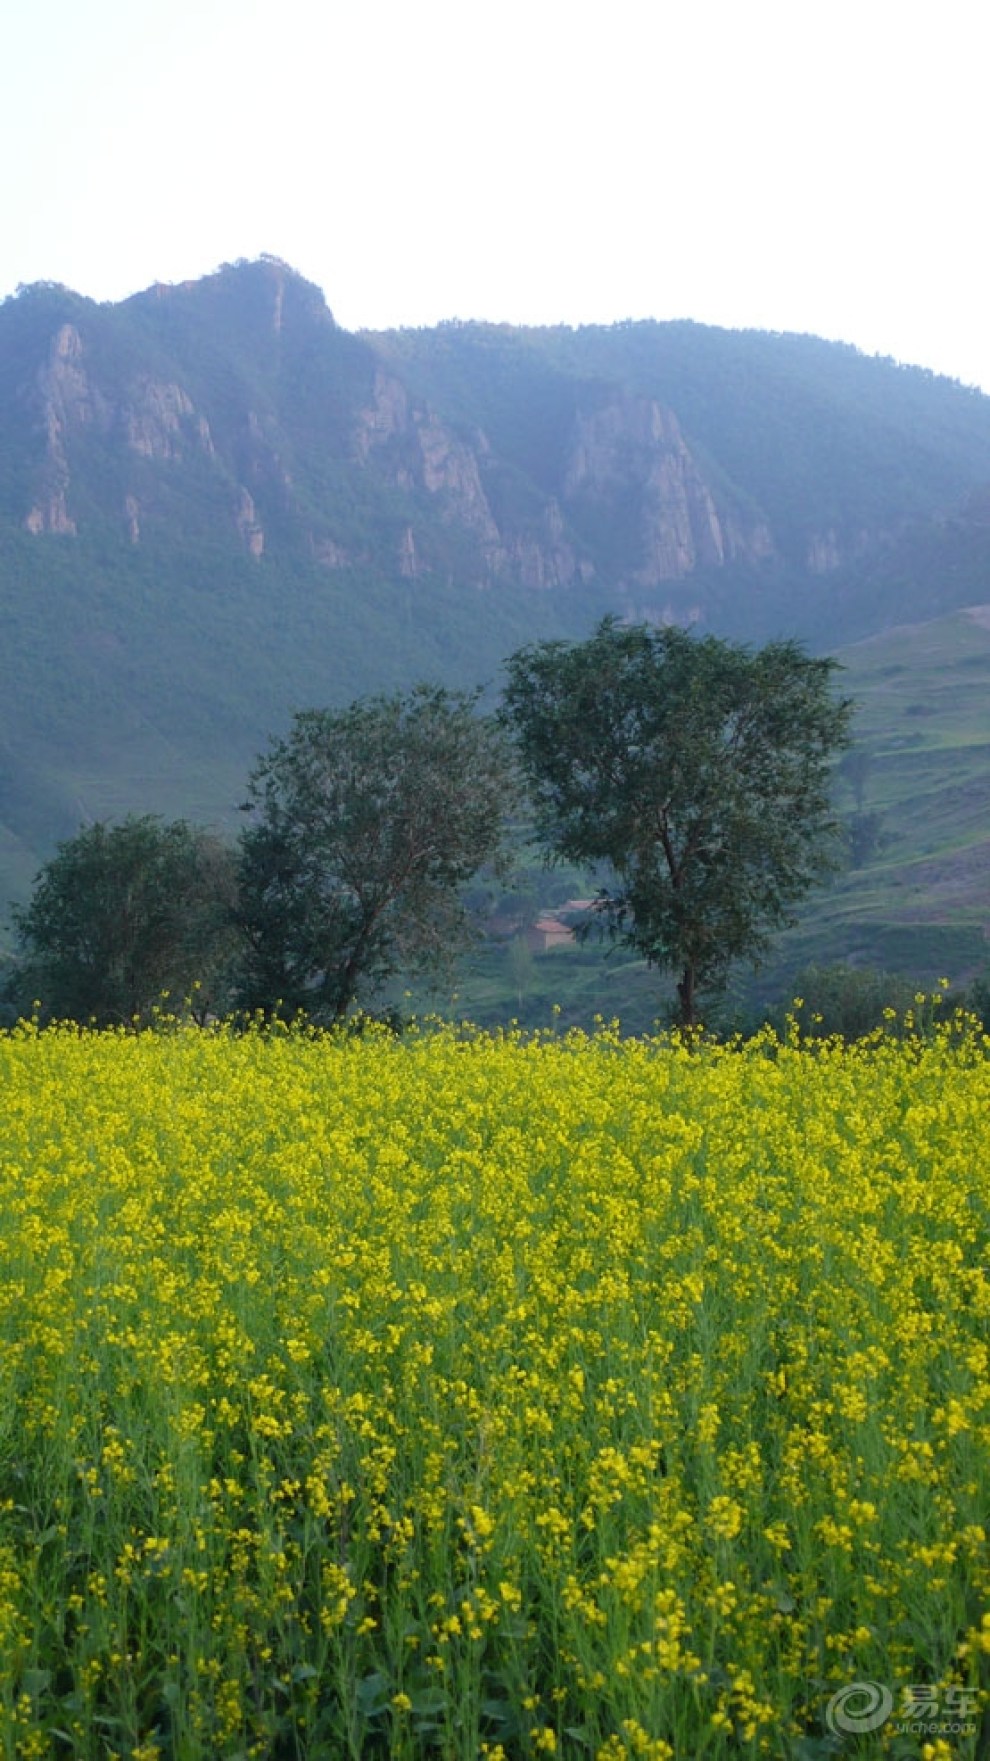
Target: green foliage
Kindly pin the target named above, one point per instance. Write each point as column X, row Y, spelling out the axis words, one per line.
column 698, row 770
column 850, row 1001
column 125, row 919
column 977, row 998
column 368, row 823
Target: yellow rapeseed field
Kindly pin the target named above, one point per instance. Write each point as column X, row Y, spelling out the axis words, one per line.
column 464, row 1395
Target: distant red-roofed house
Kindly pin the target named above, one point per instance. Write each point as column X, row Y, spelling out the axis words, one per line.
column 548, row 932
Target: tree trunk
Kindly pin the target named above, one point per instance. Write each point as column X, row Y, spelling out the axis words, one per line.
column 685, row 993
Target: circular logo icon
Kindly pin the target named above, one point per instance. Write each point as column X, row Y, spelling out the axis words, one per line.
column 862, row 1706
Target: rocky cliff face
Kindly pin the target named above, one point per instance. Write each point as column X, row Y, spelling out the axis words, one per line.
column 629, row 448
column 406, row 442
column 66, row 401
column 416, row 452
column 830, row 549
column 251, row 420
column 160, row 422
column 152, row 420
column 546, row 559
column 633, row 448
column 625, row 457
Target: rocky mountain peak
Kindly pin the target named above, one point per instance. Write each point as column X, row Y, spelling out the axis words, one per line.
column 631, row 460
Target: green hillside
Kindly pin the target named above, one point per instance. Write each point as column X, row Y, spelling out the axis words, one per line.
column 151, row 683
column 923, row 727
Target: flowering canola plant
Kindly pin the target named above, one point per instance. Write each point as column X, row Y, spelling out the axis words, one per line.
column 470, row 1395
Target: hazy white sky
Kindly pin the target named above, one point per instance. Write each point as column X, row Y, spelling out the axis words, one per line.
column 780, row 163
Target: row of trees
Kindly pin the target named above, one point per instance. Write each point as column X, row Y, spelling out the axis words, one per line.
column 692, row 773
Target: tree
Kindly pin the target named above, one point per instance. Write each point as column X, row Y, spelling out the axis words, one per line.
column 522, row 968
column 123, row 914
column 698, row 770
column 368, row 822
column 848, row 1000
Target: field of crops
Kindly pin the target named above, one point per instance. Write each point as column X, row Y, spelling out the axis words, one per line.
column 461, row 1396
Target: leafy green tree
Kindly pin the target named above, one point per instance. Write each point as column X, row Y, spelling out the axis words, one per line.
column 699, row 771
column 367, row 825
column 122, row 915
column 522, row 969
column 848, row 1000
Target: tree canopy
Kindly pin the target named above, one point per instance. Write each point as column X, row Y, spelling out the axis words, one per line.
column 124, row 917
column 697, row 770
column 367, row 823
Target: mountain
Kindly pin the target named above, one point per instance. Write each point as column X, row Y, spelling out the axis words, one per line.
column 217, row 506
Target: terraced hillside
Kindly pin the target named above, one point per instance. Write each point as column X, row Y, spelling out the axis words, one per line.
column 922, row 896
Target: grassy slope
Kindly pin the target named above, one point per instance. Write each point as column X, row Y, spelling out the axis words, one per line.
column 923, row 691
